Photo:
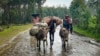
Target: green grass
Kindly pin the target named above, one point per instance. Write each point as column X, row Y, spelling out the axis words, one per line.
column 86, row 33
column 12, row 31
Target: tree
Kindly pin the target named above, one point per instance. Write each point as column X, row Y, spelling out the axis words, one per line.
column 55, row 11
column 95, row 5
column 19, row 11
column 80, row 13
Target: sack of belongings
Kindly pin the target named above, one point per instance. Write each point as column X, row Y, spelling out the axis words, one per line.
column 34, row 30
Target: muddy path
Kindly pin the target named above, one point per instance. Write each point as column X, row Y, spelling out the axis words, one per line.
column 78, row 46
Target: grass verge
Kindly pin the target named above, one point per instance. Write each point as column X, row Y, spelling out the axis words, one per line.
column 87, row 33
column 12, row 31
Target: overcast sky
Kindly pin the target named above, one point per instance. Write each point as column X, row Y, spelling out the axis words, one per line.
column 56, row 3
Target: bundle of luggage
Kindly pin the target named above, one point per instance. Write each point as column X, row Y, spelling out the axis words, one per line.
column 35, row 29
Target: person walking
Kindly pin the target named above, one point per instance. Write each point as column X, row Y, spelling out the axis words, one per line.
column 52, row 25
column 67, row 23
column 35, row 19
column 70, row 25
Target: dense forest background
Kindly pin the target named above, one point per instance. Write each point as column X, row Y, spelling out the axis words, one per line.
column 85, row 13
column 86, row 16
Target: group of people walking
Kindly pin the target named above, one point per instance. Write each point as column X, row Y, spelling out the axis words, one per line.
column 67, row 23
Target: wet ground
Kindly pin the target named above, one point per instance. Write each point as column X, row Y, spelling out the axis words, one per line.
column 78, row 46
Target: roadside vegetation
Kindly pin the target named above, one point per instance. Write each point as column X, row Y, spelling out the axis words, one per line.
column 10, row 32
column 87, row 33
column 86, row 17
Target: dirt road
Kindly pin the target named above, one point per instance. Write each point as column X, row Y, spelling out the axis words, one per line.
column 78, row 46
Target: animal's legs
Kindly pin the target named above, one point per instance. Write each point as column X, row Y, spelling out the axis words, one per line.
column 46, row 41
column 63, row 44
column 44, row 46
column 50, row 40
column 39, row 45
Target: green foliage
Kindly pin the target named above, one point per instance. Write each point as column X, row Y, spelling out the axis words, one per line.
column 95, row 6
column 12, row 31
column 86, row 33
column 92, row 22
column 79, row 13
column 52, row 11
column 19, row 11
column 86, row 15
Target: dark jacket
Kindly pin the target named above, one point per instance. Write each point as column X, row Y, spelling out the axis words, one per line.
column 52, row 26
column 65, row 24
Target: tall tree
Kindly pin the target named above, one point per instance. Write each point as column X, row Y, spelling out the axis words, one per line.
column 95, row 5
column 80, row 13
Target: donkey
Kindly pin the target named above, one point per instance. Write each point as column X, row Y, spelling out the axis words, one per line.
column 64, row 37
column 40, row 31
